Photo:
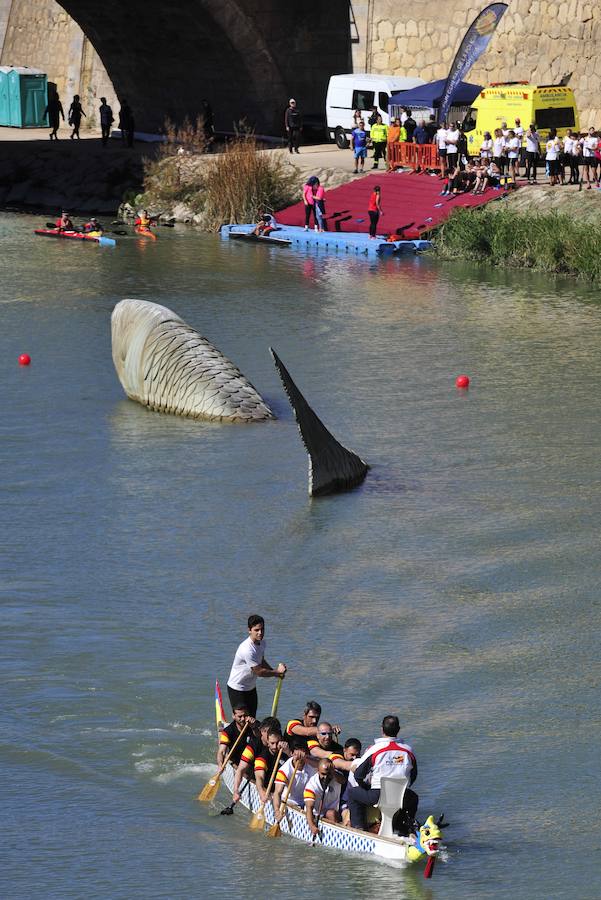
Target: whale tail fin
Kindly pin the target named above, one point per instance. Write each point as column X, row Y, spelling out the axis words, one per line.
column 332, row 467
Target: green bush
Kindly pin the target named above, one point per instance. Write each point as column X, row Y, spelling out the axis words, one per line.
column 549, row 241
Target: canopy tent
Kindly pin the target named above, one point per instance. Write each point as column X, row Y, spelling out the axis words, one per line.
column 428, row 96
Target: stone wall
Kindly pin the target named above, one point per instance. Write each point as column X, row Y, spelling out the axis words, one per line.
column 40, row 34
column 537, row 40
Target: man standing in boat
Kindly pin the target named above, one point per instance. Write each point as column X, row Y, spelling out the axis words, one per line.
column 250, row 664
column 386, row 758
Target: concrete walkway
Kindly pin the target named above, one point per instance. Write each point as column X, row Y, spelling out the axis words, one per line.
column 42, row 134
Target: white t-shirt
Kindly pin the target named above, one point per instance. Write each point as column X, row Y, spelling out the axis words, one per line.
column 589, row 145
column 513, row 146
column 519, row 133
column 452, row 139
column 505, row 132
column 553, row 149
column 486, row 149
column 568, row 143
column 303, row 775
column 499, row 146
column 532, row 142
column 248, row 654
column 441, row 138
column 324, row 800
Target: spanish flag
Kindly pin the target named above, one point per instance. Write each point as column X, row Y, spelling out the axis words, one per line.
column 219, row 711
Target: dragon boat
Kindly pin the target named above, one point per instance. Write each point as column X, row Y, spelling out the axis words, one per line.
column 424, row 844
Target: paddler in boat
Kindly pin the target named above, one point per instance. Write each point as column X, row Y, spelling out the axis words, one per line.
column 306, row 728
column 255, row 747
column 265, row 225
column 143, row 221
column 322, row 796
column 350, row 754
column 250, row 664
column 265, row 762
column 93, row 227
column 326, row 747
column 306, row 769
column 387, row 757
column 64, row 223
column 229, row 735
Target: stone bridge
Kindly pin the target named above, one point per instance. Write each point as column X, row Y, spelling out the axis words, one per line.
column 247, row 57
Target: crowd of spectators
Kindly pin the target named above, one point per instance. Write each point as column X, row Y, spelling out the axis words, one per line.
column 499, row 160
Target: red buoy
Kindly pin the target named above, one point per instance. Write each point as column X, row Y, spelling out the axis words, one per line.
column 24, row 359
column 462, row 381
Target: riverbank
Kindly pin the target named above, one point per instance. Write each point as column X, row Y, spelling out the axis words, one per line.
column 37, row 175
column 551, row 229
column 83, row 176
column 182, row 185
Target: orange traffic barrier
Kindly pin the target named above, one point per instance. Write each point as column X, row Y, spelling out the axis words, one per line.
column 414, row 156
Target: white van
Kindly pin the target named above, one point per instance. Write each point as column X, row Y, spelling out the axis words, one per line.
column 346, row 93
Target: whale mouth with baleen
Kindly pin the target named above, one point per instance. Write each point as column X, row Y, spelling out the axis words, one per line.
column 169, row 367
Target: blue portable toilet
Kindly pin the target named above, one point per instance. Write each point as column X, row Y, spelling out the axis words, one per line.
column 23, row 97
column 4, row 107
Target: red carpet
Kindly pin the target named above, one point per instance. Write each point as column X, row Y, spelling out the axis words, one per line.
column 408, row 200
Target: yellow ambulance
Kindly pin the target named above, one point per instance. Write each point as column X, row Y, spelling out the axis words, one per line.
column 549, row 106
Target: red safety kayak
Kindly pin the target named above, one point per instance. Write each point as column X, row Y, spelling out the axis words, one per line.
column 74, row 236
column 146, row 232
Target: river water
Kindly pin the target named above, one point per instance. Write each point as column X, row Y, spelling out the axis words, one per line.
column 458, row 587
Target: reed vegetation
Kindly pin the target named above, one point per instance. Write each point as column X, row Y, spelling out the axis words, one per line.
column 232, row 185
column 551, row 241
column 243, row 181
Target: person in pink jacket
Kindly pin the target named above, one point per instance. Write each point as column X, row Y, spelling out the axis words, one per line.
column 309, row 201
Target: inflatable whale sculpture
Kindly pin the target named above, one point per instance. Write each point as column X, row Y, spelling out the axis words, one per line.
column 169, row 367
column 332, row 467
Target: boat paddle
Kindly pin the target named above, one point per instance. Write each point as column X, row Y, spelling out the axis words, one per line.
column 317, row 833
column 276, row 697
column 275, row 830
column 257, row 823
column 212, row 786
column 229, row 810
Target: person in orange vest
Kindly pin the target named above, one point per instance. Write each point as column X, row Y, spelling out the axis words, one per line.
column 64, row 223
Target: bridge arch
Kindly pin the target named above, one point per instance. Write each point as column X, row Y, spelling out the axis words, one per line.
column 247, row 57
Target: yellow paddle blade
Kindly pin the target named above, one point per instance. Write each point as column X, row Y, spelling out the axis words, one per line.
column 209, row 790
column 275, row 830
column 257, row 823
